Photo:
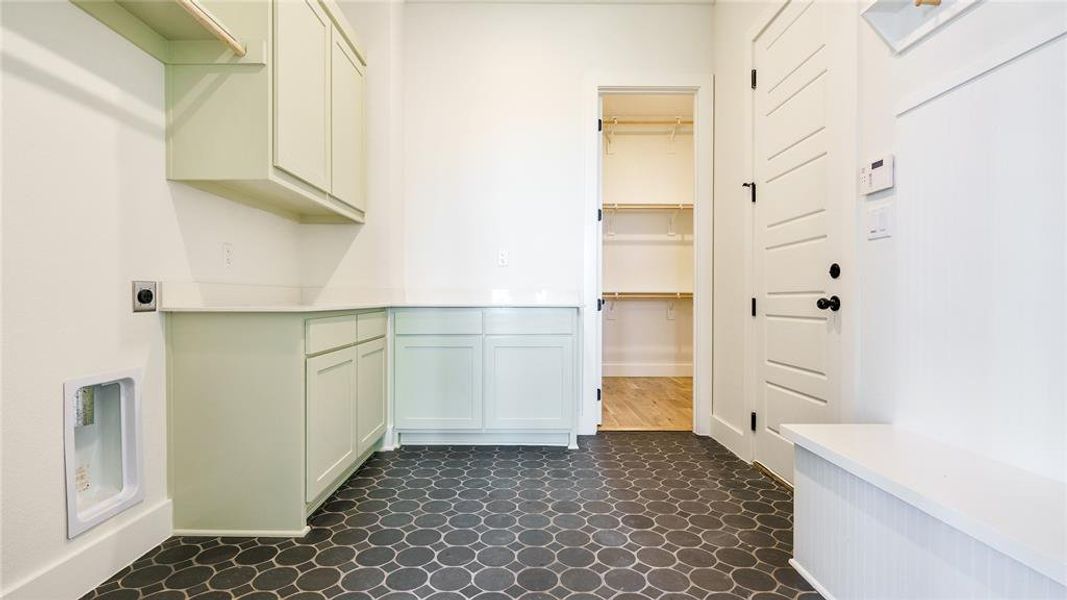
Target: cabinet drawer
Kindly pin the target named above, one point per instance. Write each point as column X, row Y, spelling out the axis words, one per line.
column 439, row 321
column 370, row 325
column 519, row 321
column 326, row 333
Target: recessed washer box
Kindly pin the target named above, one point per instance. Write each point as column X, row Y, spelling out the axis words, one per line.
column 102, row 447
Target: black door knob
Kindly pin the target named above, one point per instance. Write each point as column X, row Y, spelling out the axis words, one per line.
column 835, row 271
column 833, row 303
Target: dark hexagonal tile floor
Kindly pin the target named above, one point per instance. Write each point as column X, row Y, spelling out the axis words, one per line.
column 628, row 516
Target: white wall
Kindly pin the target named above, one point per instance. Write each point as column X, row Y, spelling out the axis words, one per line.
column 648, row 338
column 343, row 262
column 86, row 209
column 493, row 129
column 961, row 325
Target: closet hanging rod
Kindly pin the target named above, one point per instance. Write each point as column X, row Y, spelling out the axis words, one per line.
column 615, row 121
column 647, row 295
column 645, row 206
column 207, row 21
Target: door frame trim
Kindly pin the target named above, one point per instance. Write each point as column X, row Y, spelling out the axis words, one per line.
column 847, row 140
column 701, row 85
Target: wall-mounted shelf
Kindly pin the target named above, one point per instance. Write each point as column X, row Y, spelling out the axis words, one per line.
column 902, row 23
column 647, row 295
column 646, row 207
column 174, row 31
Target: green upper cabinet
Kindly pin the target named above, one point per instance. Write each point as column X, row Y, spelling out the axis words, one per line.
column 302, row 33
column 280, row 128
column 346, row 115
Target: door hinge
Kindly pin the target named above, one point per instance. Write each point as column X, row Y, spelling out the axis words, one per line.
column 753, row 307
column 598, row 394
column 599, row 304
column 599, row 215
column 753, row 79
column 752, row 421
column 600, row 122
column 751, row 185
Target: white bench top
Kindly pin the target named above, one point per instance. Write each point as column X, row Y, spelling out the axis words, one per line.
column 1018, row 513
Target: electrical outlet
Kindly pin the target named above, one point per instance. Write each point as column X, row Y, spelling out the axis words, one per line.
column 227, row 254
column 502, row 257
column 144, row 296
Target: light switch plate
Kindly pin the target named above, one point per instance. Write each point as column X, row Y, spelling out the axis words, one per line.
column 880, row 222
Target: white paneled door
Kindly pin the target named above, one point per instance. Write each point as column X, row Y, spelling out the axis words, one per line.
column 798, row 232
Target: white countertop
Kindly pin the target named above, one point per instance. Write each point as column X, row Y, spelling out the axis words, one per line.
column 215, row 298
column 306, row 308
column 1018, row 513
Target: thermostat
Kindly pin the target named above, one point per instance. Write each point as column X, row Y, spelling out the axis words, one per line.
column 877, row 175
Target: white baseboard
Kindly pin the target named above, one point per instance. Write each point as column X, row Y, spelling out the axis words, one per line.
column 269, row 533
column 74, row 575
column 647, row 369
column 811, row 580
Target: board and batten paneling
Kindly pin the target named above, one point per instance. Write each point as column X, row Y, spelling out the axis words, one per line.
column 859, row 541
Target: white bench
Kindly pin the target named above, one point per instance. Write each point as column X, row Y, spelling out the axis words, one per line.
column 884, row 513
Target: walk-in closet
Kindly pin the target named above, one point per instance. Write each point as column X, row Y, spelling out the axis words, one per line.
column 647, row 262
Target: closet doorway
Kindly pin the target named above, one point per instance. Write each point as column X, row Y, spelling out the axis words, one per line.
column 647, row 194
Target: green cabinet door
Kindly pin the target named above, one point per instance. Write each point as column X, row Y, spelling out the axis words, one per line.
column 438, row 381
column 332, row 444
column 529, row 381
column 301, row 90
column 370, row 397
column 346, row 131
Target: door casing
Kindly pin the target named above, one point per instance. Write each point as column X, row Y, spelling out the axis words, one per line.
column 702, row 87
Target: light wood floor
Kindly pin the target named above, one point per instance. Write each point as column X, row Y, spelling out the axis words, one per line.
column 648, row 404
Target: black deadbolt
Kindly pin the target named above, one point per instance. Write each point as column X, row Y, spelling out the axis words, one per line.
column 835, row 271
column 145, row 296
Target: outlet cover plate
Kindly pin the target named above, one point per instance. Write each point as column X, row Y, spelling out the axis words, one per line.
column 152, row 297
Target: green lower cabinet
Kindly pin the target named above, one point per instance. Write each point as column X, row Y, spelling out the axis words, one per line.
column 485, row 376
column 529, row 382
column 268, row 414
column 370, row 395
column 332, row 423
column 438, row 381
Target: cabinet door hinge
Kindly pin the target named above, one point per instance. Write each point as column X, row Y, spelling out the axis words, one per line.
column 753, row 79
column 753, row 307
column 751, row 185
column 752, row 421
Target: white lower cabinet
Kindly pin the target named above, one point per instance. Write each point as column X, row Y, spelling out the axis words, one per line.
column 332, row 423
column 500, row 376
